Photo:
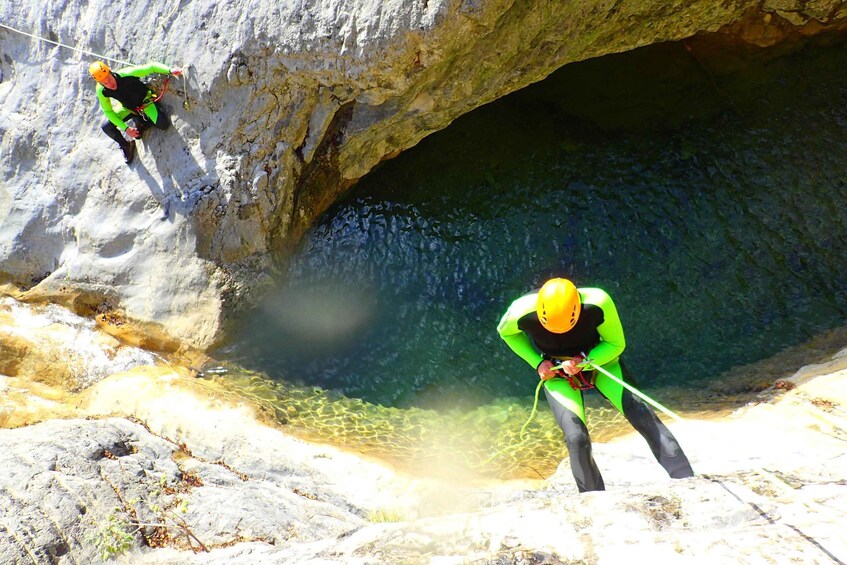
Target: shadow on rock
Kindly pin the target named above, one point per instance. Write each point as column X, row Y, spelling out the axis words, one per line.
column 181, row 181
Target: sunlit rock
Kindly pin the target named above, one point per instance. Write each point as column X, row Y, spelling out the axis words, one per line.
column 279, row 112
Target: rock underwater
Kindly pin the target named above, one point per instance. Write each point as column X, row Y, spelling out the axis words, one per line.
column 152, row 465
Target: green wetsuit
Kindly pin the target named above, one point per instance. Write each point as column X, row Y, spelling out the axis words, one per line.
column 599, row 335
column 129, row 94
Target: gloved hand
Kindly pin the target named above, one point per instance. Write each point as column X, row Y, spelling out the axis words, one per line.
column 544, row 370
column 176, row 71
column 133, row 132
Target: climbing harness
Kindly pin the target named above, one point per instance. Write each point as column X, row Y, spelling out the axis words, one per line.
column 155, row 99
column 578, row 381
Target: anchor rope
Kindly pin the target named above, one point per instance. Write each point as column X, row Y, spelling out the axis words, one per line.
column 66, row 46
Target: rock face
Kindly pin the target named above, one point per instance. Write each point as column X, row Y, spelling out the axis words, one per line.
column 86, row 477
column 149, row 464
column 203, row 482
column 283, row 107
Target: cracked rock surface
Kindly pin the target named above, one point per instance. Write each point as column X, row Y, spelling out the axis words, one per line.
column 188, row 480
column 280, row 111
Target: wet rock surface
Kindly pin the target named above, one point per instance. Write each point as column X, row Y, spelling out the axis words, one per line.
column 187, row 479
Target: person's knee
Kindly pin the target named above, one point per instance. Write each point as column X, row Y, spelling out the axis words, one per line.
column 577, row 440
column 637, row 412
column 576, row 435
column 113, row 133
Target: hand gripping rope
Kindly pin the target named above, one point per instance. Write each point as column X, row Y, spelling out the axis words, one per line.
column 586, row 364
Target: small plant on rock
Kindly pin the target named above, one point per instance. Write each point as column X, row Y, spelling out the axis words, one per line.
column 113, row 536
column 385, row 515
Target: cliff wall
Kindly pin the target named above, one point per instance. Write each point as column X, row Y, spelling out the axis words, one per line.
column 282, row 108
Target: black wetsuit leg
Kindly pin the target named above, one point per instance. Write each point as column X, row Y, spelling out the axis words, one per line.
column 584, row 469
column 113, row 132
column 663, row 444
column 163, row 121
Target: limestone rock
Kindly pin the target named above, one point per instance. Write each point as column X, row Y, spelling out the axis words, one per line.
column 172, row 469
column 52, row 346
column 214, row 486
column 280, row 111
column 66, row 481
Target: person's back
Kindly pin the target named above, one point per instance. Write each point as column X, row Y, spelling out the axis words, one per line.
column 562, row 331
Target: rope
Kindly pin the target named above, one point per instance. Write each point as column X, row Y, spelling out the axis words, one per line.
column 173, row 11
column 521, row 435
column 164, row 89
column 588, row 364
column 66, row 46
column 155, row 98
column 779, row 520
column 185, row 103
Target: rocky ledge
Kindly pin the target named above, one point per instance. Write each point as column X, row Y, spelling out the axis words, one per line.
column 151, row 469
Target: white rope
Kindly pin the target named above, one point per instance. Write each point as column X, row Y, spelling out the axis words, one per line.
column 65, row 46
column 589, row 365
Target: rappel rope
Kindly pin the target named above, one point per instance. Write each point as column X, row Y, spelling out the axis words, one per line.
column 588, row 365
column 99, row 56
column 591, row 366
column 521, row 435
column 71, row 47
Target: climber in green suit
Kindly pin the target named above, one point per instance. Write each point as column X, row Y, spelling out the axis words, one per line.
column 124, row 97
column 560, row 324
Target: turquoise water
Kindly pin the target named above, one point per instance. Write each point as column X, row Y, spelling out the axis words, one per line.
column 708, row 204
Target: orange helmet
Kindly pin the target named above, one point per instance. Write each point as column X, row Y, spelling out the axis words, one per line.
column 558, row 305
column 99, row 70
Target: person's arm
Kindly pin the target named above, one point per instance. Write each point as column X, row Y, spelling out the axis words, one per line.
column 144, row 70
column 106, row 105
column 612, row 341
column 514, row 337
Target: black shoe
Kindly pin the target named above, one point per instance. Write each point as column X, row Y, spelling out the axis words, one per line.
column 129, row 151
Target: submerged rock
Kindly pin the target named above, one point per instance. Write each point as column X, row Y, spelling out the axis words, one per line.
column 168, row 472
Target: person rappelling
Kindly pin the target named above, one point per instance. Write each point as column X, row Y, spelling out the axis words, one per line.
column 574, row 339
column 129, row 104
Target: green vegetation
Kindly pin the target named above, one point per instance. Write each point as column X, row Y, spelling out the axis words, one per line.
column 381, row 515
column 113, row 536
